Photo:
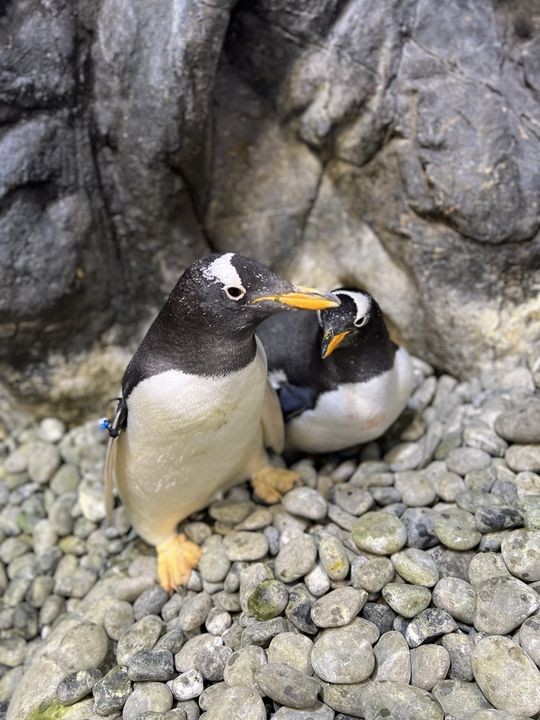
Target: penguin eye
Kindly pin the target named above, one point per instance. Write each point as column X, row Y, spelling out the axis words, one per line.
column 235, row 293
column 360, row 322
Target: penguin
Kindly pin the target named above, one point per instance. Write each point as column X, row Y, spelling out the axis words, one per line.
column 196, row 410
column 340, row 380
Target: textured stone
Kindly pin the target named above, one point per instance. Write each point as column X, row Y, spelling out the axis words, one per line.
column 380, row 533
column 292, row 649
column 459, row 699
column 295, row 559
column 407, row 600
column 429, row 624
column 399, row 701
column 338, row 607
column 521, row 552
column 147, row 696
column 342, row 656
column 416, row 567
column 393, row 658
column 287, row 685
column 502, row 604
column 429, row 665
column 506, row 675
column 457, row 597
column 241, row 666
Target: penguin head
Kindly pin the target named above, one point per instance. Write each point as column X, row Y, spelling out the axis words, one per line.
column 240, row 292
column 357, row 318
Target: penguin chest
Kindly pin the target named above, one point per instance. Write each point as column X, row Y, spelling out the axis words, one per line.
column 354, row 413
column 188, row 436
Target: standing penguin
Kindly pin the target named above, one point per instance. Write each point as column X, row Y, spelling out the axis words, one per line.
column 341, row 381
column 196, row 411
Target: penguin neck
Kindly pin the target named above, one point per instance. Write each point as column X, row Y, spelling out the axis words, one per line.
column 201, row 344
column 189, row 343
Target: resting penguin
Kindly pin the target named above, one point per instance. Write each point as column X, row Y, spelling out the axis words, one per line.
column 341, row 381
column 196, row 411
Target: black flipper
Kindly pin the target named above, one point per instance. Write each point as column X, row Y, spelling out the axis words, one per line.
column 295, row 400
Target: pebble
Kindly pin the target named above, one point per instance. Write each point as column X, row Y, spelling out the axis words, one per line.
column 147, row 696
column 149, row 602
column 77, row 685
column 465, row 460
column 429, row 665
column 380, row 615
column 295, row 559
column 194, row 611
column 268, row 600
column 292, row 649
column 459, row 699
column 502, row 604
column 416, row 567
column 529, row 638
column 491, row 519
column 522, row 458
column 407, row 600
column 371, row 573
column 244, row 545
column 237, row 703
column 520, row 425
column 486, row 566
column 353, row 500
column 317, row 581
column 149, row 665
column 418, row 523
column 338, row 607
column 230, row 512
column 334, row 558
column 51, row 430
column 118, row 618
column 521, row 552
column 379, row 533
column 342, row 656
column 241, row 666
column 43, row 461
column 214, row 563
column 187, row 685
column 218, row 621
column 456, row 529
column 286, row 685
column 136, row 638
column 393, row 658
column 506, row 675
column 205, row 653
column 429, row 624
column 306, row 503
column 319, row 711
column 398, row 701
column 415, row 489
column 261, row 632
column 459, row 647
column 457, row 597
column 112, row 691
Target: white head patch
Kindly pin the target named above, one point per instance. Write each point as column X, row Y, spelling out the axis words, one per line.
column 222, row 270
column 362, row 302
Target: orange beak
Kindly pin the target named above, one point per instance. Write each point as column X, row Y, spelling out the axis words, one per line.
column 331, row 342
column 303, row 299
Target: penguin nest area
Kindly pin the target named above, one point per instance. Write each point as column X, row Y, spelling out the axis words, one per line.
column 398, row 582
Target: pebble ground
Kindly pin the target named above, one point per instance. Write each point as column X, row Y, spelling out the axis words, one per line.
column 400, row 581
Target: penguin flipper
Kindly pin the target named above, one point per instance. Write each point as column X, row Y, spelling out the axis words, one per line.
column 108, row 475
column 272, row 421
column 294, row 400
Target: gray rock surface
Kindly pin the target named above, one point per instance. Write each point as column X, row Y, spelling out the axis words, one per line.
column 147, row 172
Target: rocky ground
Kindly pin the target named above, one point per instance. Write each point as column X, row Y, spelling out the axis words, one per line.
column 399, row 582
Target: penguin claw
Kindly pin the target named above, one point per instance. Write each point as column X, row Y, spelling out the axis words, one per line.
column 176, row 558
column 270, row 483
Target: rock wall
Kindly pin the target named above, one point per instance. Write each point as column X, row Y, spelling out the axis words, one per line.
column 390, row 143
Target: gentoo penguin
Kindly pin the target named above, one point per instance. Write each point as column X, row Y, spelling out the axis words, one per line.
column 196, row 411
column 341, row 381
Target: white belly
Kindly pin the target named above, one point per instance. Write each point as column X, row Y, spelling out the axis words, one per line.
column 355, row 412
column 188, row 437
